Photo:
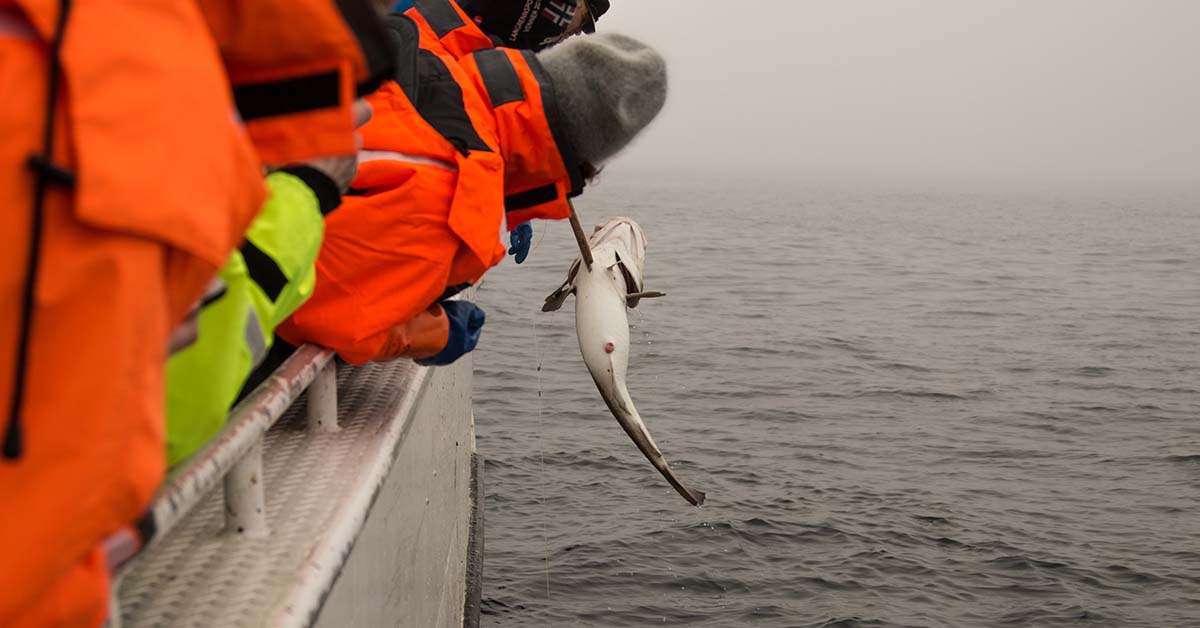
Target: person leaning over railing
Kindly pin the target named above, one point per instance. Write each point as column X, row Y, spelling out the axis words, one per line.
column 532, row 24
column 456, row 148
column 125, row 181
column 296, row 94
column 263, row 282
column 524, row 24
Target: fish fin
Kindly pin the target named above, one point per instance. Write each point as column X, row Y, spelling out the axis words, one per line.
column 557, row 298
column 633, row 299
column 631, row 285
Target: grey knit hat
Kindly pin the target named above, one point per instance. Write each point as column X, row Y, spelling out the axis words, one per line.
column 608, row 87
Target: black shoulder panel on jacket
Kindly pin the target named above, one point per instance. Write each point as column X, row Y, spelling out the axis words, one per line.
column 499, row 76
column 441, row 15
column 440, row 103
column 406, row 40
column 365, row 23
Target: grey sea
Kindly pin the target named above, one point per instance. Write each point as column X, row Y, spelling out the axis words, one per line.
column 907, row 407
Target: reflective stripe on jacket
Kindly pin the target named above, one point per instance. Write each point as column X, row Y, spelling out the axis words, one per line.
column 265, row 281
column 468, row 140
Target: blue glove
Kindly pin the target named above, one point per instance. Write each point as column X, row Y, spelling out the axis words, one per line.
column 520, row 237
column 401, row 6
column 466, row 323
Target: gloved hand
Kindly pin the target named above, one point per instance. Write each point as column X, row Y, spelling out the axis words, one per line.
column 466, row 323
column 520, row 238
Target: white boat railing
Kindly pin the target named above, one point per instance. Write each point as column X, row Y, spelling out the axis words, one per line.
column 234, row 456
column 341, row 508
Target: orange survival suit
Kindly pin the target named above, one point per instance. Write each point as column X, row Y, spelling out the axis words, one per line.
column 457, row 146
column 111, row 232
column 150, row 182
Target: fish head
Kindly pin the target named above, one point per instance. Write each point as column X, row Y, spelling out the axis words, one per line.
column 623, row 235
column 619, row 245
column 618, row 248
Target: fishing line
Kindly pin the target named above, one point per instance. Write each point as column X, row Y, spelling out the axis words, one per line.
column 532, row 249
column 537, row 349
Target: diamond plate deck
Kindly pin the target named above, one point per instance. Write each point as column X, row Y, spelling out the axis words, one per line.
column 319, row 490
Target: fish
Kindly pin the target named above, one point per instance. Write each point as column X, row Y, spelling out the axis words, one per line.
column 603, row 295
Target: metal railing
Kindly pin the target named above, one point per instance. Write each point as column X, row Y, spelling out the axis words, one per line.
column 257, row 525
column 234, row 457
column 234, row 460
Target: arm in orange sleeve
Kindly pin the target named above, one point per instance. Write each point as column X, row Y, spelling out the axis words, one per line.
column 424, row 336
column 296, row 67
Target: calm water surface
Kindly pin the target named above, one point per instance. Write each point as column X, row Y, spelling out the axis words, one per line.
column 907, row 409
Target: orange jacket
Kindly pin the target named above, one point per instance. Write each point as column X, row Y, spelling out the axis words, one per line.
column 296, row 67
column 456, row 148
column 119, row 138
column 534, row 149
column 166, row 182
column 444, row 22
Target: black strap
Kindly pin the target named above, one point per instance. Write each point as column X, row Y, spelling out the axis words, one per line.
column 530, row 198
column 53, row 172
column 441, row 16
column 263, row 270
column 406, row 39
column 329, row 197
column 499, row 77
column 45, row 173
column 440, row 103
column 297, row 95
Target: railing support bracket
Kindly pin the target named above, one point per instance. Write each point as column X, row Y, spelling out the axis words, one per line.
column 322, row 401
column 245, row 500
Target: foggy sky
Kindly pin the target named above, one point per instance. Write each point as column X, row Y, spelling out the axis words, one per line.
column 1077, row 90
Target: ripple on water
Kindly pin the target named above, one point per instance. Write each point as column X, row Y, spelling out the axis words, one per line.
column 907, row 410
